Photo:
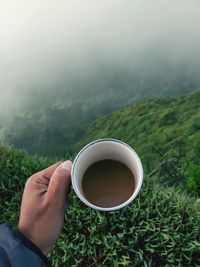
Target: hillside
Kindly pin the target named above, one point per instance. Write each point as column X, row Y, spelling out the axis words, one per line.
column 149, row 232
column 52, row 120
column 158, row 129
column 162, row 123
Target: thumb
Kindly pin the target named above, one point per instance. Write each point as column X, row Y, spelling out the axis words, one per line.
column 60, row 180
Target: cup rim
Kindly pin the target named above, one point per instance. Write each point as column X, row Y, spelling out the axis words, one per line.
column 128, row 201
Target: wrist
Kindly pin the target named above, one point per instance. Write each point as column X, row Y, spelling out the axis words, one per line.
column 25, row 235
column 32, row 246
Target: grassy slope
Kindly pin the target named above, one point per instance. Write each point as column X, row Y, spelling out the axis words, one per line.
column 160, row 228
column 50, row 122
column 166, row 124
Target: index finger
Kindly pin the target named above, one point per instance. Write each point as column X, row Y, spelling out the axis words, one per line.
column 48, row 172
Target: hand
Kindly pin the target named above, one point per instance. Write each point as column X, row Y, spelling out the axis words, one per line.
column 43, row 205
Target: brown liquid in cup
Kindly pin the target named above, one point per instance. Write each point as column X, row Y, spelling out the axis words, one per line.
column 108, row 183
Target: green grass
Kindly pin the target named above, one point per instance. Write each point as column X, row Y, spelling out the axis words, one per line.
column 160, row 228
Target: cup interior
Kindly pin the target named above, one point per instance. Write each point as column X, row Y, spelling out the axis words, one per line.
column 106, row 149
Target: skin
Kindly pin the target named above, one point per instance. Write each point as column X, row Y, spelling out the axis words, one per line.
column 43, row 205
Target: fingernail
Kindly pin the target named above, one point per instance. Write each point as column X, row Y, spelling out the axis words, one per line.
column 66, row 165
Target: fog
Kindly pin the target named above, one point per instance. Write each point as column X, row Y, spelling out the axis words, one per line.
column 48, row 44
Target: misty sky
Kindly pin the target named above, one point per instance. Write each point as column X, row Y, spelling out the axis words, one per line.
column 43, row 41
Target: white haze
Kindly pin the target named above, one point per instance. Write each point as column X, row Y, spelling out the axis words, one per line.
column 43, row 42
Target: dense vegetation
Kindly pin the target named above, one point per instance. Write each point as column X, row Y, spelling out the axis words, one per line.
column 49, row 121
column 160, row 228
column 161, row 130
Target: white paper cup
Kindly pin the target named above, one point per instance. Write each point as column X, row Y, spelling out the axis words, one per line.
column 106, row 149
